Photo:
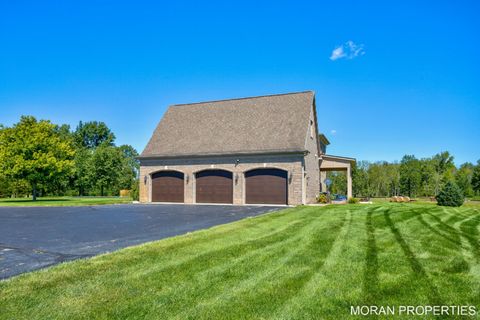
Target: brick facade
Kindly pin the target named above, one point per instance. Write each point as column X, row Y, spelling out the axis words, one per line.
column 292, row 163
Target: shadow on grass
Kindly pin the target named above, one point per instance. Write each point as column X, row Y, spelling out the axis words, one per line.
column 370, row 285
column 433, row 294
column 454, row 239
column 470, row 231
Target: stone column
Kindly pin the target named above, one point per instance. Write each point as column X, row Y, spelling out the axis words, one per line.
column 323, row 176
column 238, row 185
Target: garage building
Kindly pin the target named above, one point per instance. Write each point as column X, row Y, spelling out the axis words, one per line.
column 257, row 150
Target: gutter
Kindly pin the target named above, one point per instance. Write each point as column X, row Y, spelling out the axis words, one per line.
column 207, row 155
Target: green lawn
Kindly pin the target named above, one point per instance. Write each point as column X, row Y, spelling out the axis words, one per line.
column 62, row 201
column 299, row 263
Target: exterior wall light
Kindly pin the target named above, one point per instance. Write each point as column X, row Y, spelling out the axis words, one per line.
column 187, row 178
column 237, row 162
column 236, row 178
column 145, row 179
column 290, row 176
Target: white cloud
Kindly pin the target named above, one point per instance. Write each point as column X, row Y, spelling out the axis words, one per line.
column 333, row 132
column 337, row 53
column 348, row 50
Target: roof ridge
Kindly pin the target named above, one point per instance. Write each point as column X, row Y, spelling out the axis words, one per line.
column 243, row 98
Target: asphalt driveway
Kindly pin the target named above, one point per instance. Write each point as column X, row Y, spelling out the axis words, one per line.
column 37, row 237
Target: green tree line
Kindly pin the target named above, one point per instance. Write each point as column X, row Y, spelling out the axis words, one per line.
column 410, row 177
column 39, row 158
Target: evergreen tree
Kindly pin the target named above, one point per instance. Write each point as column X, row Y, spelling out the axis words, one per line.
column 450, row 195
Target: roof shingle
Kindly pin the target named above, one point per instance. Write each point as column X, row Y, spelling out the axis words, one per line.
column 275, row 123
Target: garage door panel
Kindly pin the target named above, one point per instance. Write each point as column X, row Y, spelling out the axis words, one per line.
column 214, row 186
column 168, row 186
column 266, row 186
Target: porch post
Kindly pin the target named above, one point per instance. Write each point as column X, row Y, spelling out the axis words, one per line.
column 349, row 181
column 323, row 176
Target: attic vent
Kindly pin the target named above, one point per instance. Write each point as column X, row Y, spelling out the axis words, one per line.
column 312, row 129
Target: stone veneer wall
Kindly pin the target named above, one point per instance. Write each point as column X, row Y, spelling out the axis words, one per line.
column 312, row 167
column 189, row 166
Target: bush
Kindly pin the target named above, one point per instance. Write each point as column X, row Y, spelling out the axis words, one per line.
column 134, row 193
column 450, row 196
column 323, row 198
column 353, row 200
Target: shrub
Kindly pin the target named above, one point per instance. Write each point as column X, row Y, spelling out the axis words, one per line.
column 450, row 196
column 323, row 198
column 353, row 200
column 135, row 190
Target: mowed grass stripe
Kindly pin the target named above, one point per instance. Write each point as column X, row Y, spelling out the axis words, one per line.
column 234, row 265
column 334, row 285
column 284, row 252
column 294, row 267
column 300, row 263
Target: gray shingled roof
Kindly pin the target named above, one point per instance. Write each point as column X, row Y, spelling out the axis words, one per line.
column 276, row 123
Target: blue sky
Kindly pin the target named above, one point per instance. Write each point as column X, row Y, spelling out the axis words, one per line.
column 406, row 82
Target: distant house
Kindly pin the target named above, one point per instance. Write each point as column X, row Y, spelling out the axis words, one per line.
column 257, row 150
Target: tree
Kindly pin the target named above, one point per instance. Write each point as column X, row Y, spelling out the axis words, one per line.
column 35, row 151
column 476, row 178
column 379, row 179
column 130, row 167
column 463, row 178
column 410, row 175
column 443, row 162
column 64, row 132
column 450, row 195
column 105, row 167
column 83, row 167
column 393, row 174
column 339, row 182
column 92, row 134
column 360, row 179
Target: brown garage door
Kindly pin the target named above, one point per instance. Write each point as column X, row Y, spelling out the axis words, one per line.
column 214, row 186
column 268, row 186
column 167, row 186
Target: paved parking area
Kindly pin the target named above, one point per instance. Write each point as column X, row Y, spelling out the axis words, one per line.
column 37, row 237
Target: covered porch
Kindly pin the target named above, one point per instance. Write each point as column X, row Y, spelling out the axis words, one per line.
column 335, row 163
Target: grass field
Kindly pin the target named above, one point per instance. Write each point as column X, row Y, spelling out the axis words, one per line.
column 299, row 263
column 62, row 201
